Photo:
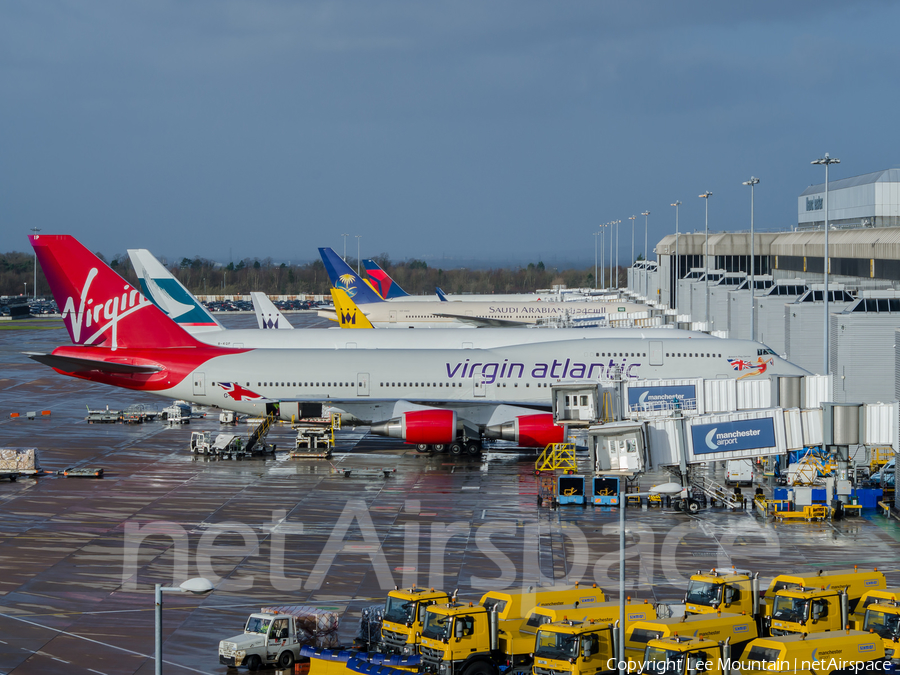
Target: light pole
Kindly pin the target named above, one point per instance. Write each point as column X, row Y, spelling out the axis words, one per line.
column 595, row 260
column 706, row 195
column 357, row 253
column 345, row 246
column 646, row 215
column 603, row 254
column 610, row 225
column 631, row 218
column 197, row 586
column 752, row 182
column 35, row 230
column 617, row 252
column 664, row 489
column 827, row 161
column 676, row 204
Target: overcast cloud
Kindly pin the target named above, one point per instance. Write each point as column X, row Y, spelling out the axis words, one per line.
column 505, row 131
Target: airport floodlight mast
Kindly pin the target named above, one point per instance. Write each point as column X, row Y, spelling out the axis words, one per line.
column 706, row 195
column 595, row 260
column 827, row 161
column 646, row 215
column 752, row 183
column 676, row 204
column 618, row 246
column 357, row 253
column 35, row 230
column 631, row 218
column 197, row 586
column 345, row 246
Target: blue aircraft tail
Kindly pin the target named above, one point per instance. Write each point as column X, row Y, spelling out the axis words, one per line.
column 387, row 288
column 343, row 277
column 441, row 294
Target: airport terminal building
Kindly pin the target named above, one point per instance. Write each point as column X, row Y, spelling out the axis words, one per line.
column 787, row 302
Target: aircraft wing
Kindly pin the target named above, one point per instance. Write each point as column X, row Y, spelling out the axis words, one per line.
column 484, row 322
column 74, row 364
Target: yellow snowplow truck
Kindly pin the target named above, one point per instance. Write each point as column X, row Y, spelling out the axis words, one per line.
column 738, row 629
column 850, row 651
column 683, row 655
column 513, row 607
column 605, row 612
column 809, row 611
column 404, row 613
column 856, row 582
column 883, row 619
column 722, row 590
column 575, row 648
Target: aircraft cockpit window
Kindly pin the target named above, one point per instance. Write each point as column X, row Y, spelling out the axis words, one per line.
column 765, row 352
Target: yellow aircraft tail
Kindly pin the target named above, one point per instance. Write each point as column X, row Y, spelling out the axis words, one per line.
column 349, row 315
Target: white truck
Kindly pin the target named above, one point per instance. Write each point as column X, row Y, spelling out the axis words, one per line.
column 739, row 472
column 274, row 636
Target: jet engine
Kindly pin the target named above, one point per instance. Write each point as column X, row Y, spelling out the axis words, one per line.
column 529, row 431
column 420, row 426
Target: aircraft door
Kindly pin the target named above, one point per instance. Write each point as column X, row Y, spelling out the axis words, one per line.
column 362, row 384
column 656, row 353
column 199, row 384
column 480, row 386
column 392, row 316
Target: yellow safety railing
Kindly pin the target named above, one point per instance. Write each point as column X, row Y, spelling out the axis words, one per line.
column 606, row 413
column 880, row 457
column 557, row 456
column 335, row 425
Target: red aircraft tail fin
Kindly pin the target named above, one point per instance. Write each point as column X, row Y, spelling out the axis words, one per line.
column 98, row 306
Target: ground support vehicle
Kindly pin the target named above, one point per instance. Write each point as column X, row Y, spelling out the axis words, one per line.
column 883, row 618
column 856, row 582
column 224, row 445
column 738, row 629
column 404, row 616
column 575, row 648
column 809, row 611
column 605, row 612
column 275, row 635
column 683, row 655
column 739, row 472
column 816, row 654
column 722, row 590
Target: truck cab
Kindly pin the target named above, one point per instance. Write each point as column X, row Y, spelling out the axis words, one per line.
column 722, row 590
column 682, row 655
column 808, row 611
column 575, row 648
column 268, row 639
column 404, row 616
column 856, row 582
column 883, row 619
column 462, row 638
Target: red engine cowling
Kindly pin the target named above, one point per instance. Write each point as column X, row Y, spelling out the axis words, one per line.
column 420, row 426
column 529, row 431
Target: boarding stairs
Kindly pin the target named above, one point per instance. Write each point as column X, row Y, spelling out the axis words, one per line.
column 716, row 491
column 256, row 443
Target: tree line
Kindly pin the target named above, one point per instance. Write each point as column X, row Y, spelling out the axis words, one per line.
column 206, row 277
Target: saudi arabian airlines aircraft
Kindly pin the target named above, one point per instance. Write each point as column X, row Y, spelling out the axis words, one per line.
column 160, row 287
column 497, row 314
column 440, row 397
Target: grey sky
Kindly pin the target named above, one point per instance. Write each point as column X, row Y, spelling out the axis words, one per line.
column 500, row 130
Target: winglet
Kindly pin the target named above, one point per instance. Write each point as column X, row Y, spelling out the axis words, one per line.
column 387, row 288
column 343, row 277
column 441, row 294
column 349, row 315
column 267, row 314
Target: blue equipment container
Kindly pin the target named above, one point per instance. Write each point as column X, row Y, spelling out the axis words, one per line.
column 570, row 489
column 605, row 491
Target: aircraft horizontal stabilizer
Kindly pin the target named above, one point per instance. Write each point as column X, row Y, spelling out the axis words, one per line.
column 74, row 364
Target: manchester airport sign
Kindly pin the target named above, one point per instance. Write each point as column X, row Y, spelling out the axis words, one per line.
column 733, row 436
column 662, row 396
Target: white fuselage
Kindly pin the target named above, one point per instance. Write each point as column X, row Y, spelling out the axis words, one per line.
column 513, row 375
column 415, row 313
